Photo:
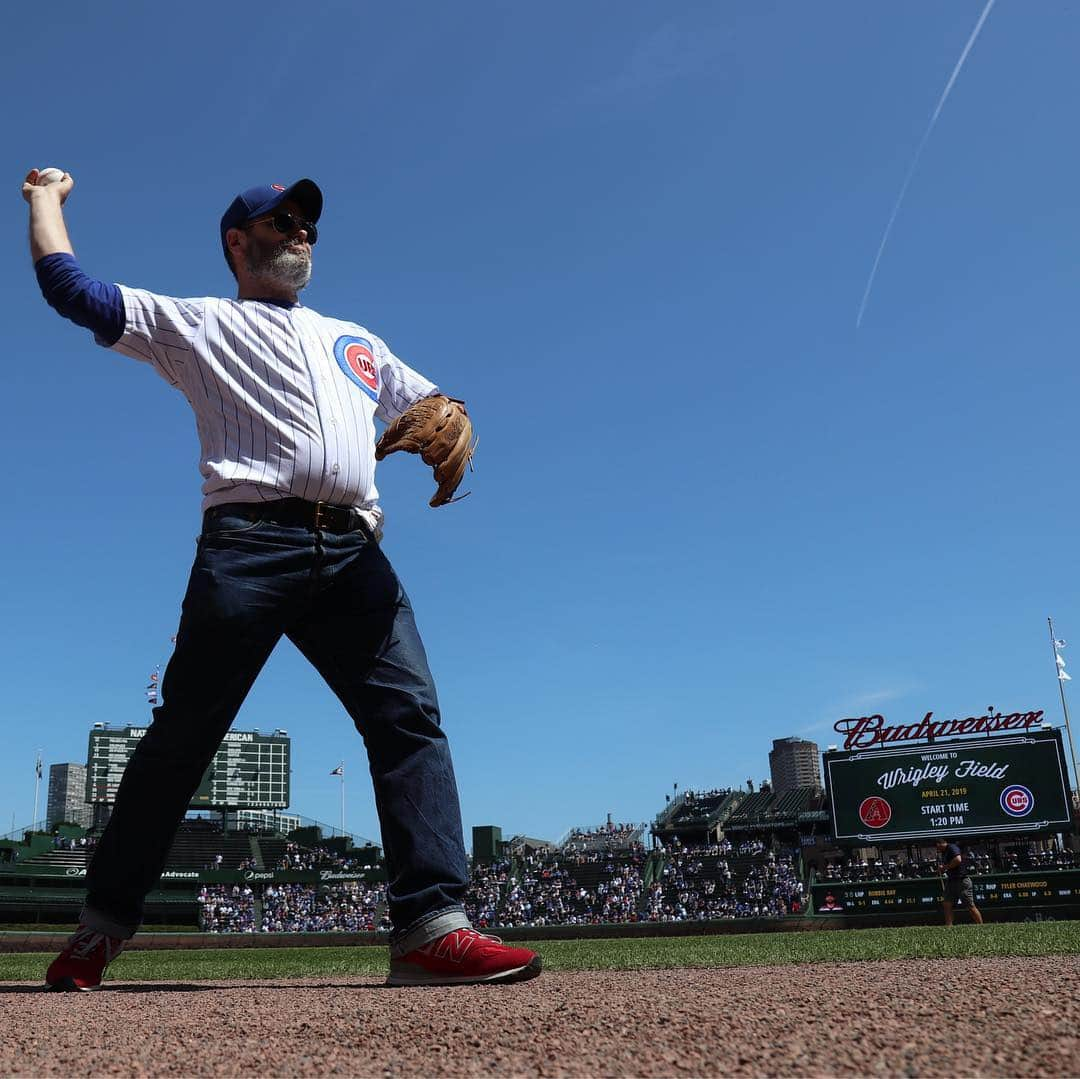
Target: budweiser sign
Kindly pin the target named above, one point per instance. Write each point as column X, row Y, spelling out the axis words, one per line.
column 867, row 731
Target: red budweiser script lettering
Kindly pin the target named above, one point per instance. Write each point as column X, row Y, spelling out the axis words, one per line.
column 866, row 731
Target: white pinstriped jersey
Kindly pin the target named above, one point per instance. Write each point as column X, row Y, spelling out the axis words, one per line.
column 285, row 399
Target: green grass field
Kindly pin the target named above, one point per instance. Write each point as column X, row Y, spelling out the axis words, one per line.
column 751, row 949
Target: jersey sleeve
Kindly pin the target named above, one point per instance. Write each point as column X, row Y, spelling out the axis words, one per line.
column 399, row 385
column 72, row 293
column 159, row 330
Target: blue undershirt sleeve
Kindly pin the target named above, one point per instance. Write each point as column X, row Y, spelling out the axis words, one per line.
column 94, row 304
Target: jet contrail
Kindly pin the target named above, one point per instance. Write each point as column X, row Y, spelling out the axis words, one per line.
column 918, row 154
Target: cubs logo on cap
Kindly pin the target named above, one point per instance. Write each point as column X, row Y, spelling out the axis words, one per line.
column 356, row 358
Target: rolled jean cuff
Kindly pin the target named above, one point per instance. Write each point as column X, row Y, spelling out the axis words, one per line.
column 427, row 929
column 102, row 923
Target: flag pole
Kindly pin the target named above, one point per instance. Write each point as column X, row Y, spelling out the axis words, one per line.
column 1065, row 709
column 37, row 785
column 342, row 767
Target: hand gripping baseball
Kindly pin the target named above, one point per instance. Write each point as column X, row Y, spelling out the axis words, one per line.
column 439, row 429
column 47, row 178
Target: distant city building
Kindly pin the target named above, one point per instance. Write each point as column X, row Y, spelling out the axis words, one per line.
column 67, row 795
column 794, row 762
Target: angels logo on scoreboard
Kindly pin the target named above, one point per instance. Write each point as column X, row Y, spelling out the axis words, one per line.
column 875, row 812
column 1017, row 800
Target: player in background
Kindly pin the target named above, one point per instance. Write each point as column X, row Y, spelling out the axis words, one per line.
column 285, row 401
column 957, row 883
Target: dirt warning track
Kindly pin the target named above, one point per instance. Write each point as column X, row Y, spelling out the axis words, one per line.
column 971, row 1017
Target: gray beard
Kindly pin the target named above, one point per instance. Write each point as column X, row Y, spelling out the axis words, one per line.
column 282, row 264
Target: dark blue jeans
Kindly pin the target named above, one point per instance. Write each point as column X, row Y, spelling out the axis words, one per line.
column 336, row 596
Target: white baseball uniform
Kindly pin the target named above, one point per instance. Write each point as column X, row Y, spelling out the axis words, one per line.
column 284, row 398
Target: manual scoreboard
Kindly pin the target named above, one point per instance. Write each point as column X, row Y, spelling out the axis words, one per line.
column 979, row 786
column 249, row 770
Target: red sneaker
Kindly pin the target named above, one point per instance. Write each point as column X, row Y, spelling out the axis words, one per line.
column 464, row 957
column 82, row 962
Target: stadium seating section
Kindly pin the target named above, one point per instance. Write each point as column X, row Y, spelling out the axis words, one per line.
column 749, row 866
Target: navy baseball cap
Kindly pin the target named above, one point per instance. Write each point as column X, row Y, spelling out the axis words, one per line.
column 266, row 197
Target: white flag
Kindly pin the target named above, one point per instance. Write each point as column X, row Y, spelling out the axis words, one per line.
column 1063, row 677
column 1059, row 644
column 1060, row 661
column 339, row 770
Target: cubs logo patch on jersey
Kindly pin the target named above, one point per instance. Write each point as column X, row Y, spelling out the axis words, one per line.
column 356, row 358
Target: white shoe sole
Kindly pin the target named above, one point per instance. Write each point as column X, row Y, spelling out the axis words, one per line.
column 418, row 976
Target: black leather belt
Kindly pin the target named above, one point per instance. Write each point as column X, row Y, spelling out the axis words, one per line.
column 294, row 512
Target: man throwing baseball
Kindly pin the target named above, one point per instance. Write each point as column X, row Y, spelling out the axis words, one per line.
column 285, row 402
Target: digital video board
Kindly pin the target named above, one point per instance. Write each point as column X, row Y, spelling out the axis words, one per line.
column 983, row 786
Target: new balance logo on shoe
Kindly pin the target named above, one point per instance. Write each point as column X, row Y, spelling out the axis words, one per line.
column 454, row 946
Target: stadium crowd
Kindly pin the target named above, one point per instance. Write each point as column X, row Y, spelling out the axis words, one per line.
column 545, row 892
column 720, row 880
column 702, row 884
column 693, row 884
column 605, row 837
column 84, row 842
column 297, row 857
column 1019, row 859
column 226, row 908
column 346, row 906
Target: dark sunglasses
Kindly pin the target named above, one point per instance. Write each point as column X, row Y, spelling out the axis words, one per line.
column 285, row 223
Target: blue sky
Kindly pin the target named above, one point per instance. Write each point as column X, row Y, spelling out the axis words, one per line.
column 707, row 511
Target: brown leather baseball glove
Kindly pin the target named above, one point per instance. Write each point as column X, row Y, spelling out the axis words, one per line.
column 439, row 429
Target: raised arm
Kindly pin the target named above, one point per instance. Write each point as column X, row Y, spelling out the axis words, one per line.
column 48, row 233
column 94, row 304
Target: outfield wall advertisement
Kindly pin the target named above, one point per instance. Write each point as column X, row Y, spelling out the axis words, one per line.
column 23, row 871
column 986, row 786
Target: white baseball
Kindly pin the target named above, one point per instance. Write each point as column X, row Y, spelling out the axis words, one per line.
column 49, row 176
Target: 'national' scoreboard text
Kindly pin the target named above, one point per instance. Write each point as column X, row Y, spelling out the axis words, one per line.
column 249, row 770
column 978, row 786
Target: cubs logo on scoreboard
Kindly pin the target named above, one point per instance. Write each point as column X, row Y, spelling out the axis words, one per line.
column 356, row 358
column 1017, row 800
